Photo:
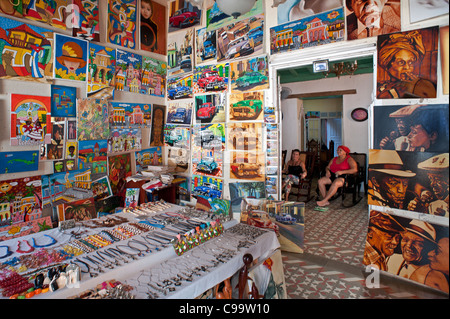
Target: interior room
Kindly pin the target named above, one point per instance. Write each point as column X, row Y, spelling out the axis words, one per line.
column 224, row 149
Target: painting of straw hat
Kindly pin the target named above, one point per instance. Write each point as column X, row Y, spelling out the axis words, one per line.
column 71, row 56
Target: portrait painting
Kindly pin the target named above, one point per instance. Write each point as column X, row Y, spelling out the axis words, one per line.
column 71, row 58
column 247, row 106
column 71, row 149
column 365, row 20
column 64, row 101
column 410, row 248
column 211, row 78
column 154, row 77
column 249, row 75
column 413, row 128
column 101, row 71
column 407, row 64
column 153, row 29
column 409, row 181
column 31, row 58
column 158, row 122
column 128, row 71
column 291, row 10
column 30, row 120
column 180, row 52
column 210, row 108
column 182, row 15
column 86, row 24
column 92, row 114
column 122, row 23
column 119, row 167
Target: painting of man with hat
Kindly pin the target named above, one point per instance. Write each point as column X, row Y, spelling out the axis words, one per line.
column 71, row 55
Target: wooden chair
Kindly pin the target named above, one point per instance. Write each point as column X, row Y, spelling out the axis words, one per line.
column 303, row 189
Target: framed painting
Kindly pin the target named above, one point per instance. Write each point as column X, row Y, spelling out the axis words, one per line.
column 71, row 58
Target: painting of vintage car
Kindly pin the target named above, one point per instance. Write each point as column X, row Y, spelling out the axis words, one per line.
column 240, row 47
column 249, row 79
column 184, row 17
column 246, row 170
column 206, row 111
column 246, row 109
column 210, row 80
column 207, row 190
column 207, row 165
column 179, row 92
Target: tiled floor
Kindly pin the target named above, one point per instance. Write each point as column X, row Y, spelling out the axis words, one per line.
column 331, row 267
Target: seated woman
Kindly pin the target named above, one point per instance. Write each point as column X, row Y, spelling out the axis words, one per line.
column 295, row 169
column 335, row 173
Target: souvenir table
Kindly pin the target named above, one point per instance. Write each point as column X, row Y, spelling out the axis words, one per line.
column 144, row 257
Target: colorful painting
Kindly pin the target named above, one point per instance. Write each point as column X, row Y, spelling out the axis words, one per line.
column 158, row 121
column 413, row 181
column 183, row 15
column 25, row 228
column 71, row 57
column 79, row 210
column 22, row 161
column 323, row 28
column 20, row 200
column 101, row 71
column 119, row 170
column 177, row 135
column 389, row 238
column 132, row 197
column 31, row 57
column 150, row 156
column 30, row 120
column 130, row 115
column 247, row 165
column 128, row 71
column 124, row 140
column 122, row 23
column 206, row 186
column 245, row 137
column 93, row 155
column 92, row 116
column 210, row 108
column 180, row 52
column 54, row 13
column 64, row 101
column 71, row 149
column 71, row 130
column 292, row 10
column 86, row 22
column 418, row 50
column 242, row 190
column 216, row 19
column 241, row 38
column 206, row 46
column 12, row 8
column 180, row 112
column 413, row 128
column 179, row 87
column 154, row 74
column 246, row 106
column 211, row 78
column 207, row 149
column 444, row 38
column 249, row 75
column 101, row 188
column 55, row 150
column 153, row 27
column 178, row 159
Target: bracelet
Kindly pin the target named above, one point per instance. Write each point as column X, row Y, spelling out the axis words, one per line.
column 147, row 250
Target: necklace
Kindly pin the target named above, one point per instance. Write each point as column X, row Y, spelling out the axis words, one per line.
column 18, row 250
column 8, row 252
column 53, row 241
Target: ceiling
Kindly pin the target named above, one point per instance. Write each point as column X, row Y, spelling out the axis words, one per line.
column 305, row 73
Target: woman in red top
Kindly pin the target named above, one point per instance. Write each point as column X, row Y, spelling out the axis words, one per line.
column 335, row 173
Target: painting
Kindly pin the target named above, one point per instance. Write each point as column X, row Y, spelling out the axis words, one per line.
column 91, row 118
column 444, row 38
column 427, row 264
column 132, row 197
column 119, row 169
column 216, row 19
column 20, row 200
column 207, row 150
column 122, row 23
column 93, row 155
column 242, row 190
column 412, row 128
column 210, row 108
column 205, row 42
column 71, row 57
column 239, row 39
column 413, row 181
column 249, row 75
column 64, row 101
column 124, row 140
column 79, row 210
column 211, row 78
column 21, row 161
column 245, row 137
column 86, row 22
column 53, row 12
column 101, row 188
column 128, row 71
column 207, row 187
column 130, row 115
column 71, row 149
column 246, row 106
column 14, row 9
column 148, row 157
column 418, row 50
column 248, row 165
column 29, row 58
column 177, row 135
column 424, row 10
column 30, row 120
column 179, row 87
column 291, row 10
column 154, row 74
column 153, row 27
column 182, row 15
column 180, row 52
column 101, row 71
column 158, row 121
column 180, row 112
column 320, row 29
column 25, row 228
column 55, row 149
column 178, row 159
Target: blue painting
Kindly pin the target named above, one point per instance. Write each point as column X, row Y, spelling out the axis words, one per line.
column 22, row 161
column 64, row 101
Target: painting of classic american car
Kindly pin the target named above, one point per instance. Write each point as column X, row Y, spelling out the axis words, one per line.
column 246, row 106
column 207, row 165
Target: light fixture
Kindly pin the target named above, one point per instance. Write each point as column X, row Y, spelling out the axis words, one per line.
column 235, row 8
column 342, row 68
